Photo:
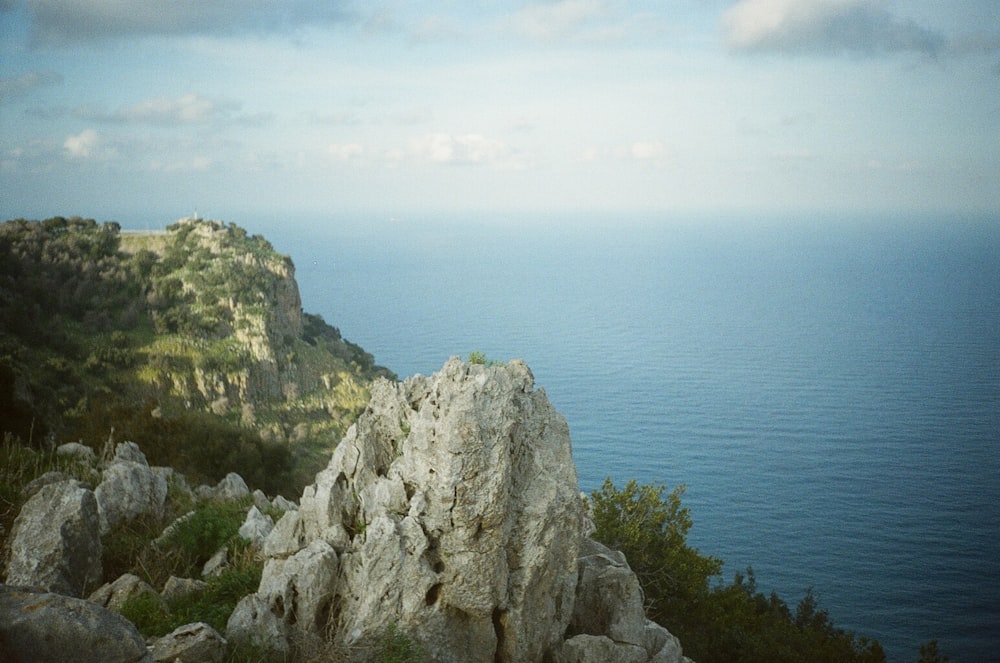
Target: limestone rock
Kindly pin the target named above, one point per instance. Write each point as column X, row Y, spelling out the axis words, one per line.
column 77, row 451
column 453, row 508
column 295, row 593
column 113, row 595
column 231, row 487
column 608, row 597
column 41, row 627
column 282, row 504
column 256, row 527
column 216, row 564
column 129, row 488
column 260, row 499
column 599, row 649
column 191, row 643
column 42, row 480
column 176, row 588
column 55, row 541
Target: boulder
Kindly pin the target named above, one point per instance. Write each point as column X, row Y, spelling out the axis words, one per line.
column 256, row 527
column 129, row 488
column 114, row 595
column 176, row 588
column 191, row 643
column 216, row 564
column 42, row 627
column 453, row 511
column 55, row 542
column 42, row 480
column 609, row 600
column 282, row 504
column 78, row 452
column 231, row 487
column 586, row 648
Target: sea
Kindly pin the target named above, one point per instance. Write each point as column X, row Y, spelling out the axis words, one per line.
column 827, row 389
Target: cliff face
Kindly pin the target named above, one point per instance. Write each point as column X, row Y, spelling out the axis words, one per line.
column 103, row 329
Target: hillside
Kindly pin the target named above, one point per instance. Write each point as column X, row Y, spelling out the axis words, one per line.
column 192, row 340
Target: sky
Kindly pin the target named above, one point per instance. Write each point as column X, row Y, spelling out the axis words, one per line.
column 151, row 109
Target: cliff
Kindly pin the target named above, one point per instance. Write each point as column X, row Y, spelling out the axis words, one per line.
column 196, row 331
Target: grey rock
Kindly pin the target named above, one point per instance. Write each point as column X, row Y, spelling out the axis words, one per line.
column 176, row 588
column 42, row 480
column 608, row 597
column 587, row 648
column 42, row 627
column 294, row 600
column 231, row 487
column 114, row 595
column 55, row 541
column 129, row 488
column 191, row 643
column 78, row 452
column 260, row 499
column 256, row 527
column 453, row 508
column 216, row 564
column 282, row 504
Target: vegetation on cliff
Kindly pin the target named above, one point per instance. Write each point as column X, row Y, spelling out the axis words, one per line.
column 191, row 342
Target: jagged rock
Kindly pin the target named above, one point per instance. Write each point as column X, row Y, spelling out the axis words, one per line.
column 281, row 504
column 191, row 643
column 113, row 595
column 42, row 480
column 77, row 451
column 608, row 597
column 453, row 509
column 294, row 592
column 42, row 627
column 129, row 488
column 665, row 647
column 55, row 541
column 599, row 649
column 169, row 531
column 216, row 564
column 260, row 499
column 177, row 588
column 232, row 487
column 256, row 527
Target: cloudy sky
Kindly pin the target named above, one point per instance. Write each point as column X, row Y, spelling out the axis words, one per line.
column 118, row 109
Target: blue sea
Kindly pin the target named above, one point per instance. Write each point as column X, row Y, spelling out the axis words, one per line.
column 828, row 390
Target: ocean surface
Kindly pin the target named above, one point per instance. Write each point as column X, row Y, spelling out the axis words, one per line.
column 827, row 390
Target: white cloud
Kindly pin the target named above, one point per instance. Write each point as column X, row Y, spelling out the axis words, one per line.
column 83, row 145
column 88, row 144
column 648, row 150
column 823, row 26
column 345, row 152
column 466, row 148
column 187, row 109
column 553, row 20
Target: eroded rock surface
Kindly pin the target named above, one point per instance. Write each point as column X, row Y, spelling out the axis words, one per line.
column 450, row 510
column 42, row 627
column 55, row 541
column 129, row 488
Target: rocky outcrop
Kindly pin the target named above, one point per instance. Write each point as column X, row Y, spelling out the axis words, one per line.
column 42, row 627
column 450, row 511
column 129, row 488
column 114, row 595
column 55, row 542
column 191, row 643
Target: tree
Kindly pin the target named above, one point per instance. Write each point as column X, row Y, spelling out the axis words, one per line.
column 725, row 623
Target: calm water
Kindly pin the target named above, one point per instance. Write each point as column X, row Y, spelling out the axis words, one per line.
column 829, row 392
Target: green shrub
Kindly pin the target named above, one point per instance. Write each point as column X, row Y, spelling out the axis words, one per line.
column 725, row 623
